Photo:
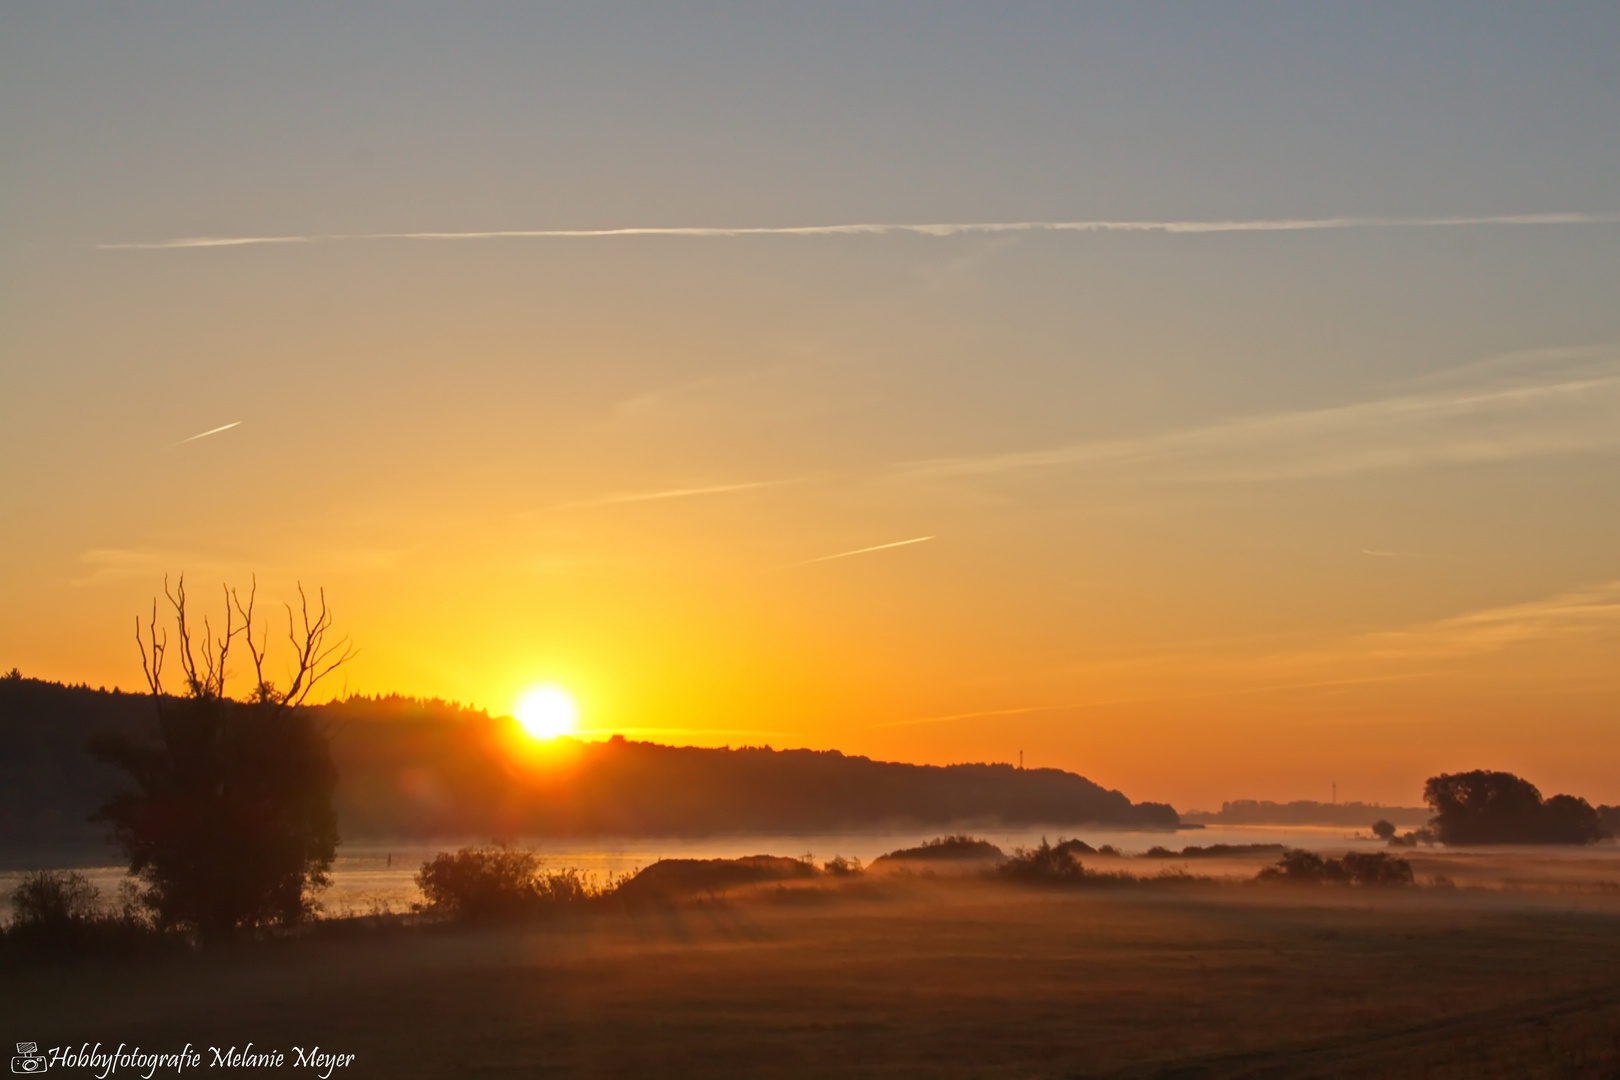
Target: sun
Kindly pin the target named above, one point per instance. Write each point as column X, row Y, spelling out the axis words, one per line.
column 546, row 711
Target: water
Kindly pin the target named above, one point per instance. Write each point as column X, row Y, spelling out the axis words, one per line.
column 369, row 876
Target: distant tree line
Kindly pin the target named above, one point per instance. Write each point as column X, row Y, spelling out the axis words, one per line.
column 1306, row 812
column 409, row 768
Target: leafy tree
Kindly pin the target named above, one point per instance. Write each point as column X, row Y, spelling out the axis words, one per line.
column 230, row 823
column 1384, row 830
column 1484, row 807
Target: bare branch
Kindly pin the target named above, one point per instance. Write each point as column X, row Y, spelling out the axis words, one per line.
column 263, row 691
column 314, row 657
column 188, row 661
column 152, row 665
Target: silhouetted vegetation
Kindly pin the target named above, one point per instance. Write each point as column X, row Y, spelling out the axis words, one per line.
column 55, row 912
column 671, row 878
column 1484, row 807
column 1385, row 831
column 1367, row 869
column 1610, row 818
column 427, row 768
column 1042, row 865
column 230, row 823
column 1213, row 851
column 838, row 866
column 959, row 847
column 1305, row 812
column 1075, row 847
column 499, row 882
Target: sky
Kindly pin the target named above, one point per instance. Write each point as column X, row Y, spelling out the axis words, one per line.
column 1220, row 401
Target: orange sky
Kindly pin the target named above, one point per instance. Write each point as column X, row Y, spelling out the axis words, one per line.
column 1218, row 505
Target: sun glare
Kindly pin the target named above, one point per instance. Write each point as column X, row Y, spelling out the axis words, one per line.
column 546, row 711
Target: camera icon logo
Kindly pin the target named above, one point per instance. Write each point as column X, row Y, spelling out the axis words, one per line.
column 29, row 1059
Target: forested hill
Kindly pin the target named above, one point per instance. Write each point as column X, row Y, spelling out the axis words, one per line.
column 410, row 768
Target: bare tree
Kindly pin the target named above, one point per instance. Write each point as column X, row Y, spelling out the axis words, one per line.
column 231, row 821
column 314, row 657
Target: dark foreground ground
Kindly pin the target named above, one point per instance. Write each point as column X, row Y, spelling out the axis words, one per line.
column 902, row 978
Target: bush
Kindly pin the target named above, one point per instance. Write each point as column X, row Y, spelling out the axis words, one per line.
column 838, row 866
column 495, row 882
column 1042, row 865
column 958, row 846
column 60, row 911
column 667, row 879
column 1376, row 868
column 54, row 900
column 1367, row 869
column 1296, row 866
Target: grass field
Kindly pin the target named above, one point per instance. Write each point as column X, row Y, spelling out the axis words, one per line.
column 904, row 976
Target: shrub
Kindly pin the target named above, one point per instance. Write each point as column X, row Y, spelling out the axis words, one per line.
column 838, row 866
column 958, row 846
column 1296, row 866
column 1359, row 868
column 57, row 911
column 1044, row 865
column 1376, row 868
column 496, row 882
column 670, row 878
column 53, row 901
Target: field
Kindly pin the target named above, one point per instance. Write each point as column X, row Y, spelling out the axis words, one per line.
column 905, row 976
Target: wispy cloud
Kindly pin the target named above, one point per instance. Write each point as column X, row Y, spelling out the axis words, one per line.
column 672, row 493
column 1461, row 426
column 1578, row 611
column 1404, row 654
column 210, row 431
column 884, row 229
column 857, row 551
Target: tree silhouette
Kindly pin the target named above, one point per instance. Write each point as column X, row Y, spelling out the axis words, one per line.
column 230, row 823
column 1484, row 807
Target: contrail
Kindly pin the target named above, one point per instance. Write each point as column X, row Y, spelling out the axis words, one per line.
column 672, row 493
column 881, row 229
column 211, row 431
column 857, row 551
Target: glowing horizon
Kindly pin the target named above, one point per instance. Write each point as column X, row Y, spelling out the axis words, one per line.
column 1199, row 401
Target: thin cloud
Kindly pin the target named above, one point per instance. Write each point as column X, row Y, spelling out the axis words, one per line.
column 1578, row 611
column 1408, row 431
column 857, row 551
column 1020, row 711
column 1147, row 699
column 210, row 431
column 1415, row 652
column 672, row 493
column 882, row 229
